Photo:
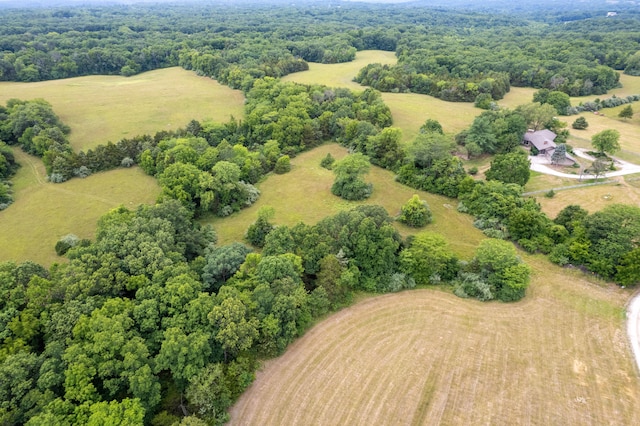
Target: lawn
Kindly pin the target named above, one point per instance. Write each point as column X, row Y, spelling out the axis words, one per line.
column 592, row 198
column 108, row 108
column 43, row 212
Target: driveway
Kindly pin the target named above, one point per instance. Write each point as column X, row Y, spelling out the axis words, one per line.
column 633, row 326
column 540, row 163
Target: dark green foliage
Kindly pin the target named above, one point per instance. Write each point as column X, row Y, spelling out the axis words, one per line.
column 384, row 148
column 415, row 213
column 8, row 165
column 626, row 112
column 513, row 167
column 222, row 263
column 428, row 259
column 65, row 243
column 432, row 167
column 559, row 100
column 349, row 184
column 495, row 272
column 258, row 231
column 580, row 123
column 327, row 162
column 431, row 126
column 494, row 132
column 407, row 77
column 483, row 101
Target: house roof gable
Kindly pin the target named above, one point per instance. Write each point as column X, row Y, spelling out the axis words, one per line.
column 541, row 139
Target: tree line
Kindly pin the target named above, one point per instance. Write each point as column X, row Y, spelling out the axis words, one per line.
column 445, row 53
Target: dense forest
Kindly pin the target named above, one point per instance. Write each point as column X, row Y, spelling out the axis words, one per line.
column 155, row 323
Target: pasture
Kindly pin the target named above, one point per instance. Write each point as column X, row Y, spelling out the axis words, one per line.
column 341, row 75
column 43, row 212
column 409, row 110
column 426, row 357
column 100, row 109
column 304, row 195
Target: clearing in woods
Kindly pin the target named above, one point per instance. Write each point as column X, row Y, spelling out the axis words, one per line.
column 44, row 212
column 100, row 109
column 409, row 110
column 304, row 195
column 426, row 357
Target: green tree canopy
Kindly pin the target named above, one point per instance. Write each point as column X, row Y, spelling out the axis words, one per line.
column 513, row 167
column 606, row 141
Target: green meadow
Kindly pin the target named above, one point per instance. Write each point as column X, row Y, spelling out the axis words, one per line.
column 43, row 212
column 100, row 109
column 304, row 195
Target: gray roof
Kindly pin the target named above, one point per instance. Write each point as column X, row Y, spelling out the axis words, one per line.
column 541, row 139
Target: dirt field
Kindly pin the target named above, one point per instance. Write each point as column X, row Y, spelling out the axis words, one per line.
column 426, row 357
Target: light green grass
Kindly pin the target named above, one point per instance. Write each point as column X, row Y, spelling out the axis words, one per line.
column 43, row 212
column 304, row 194
column 411, row 110
column 108, row 108
column 341, row 75
column 408, row 110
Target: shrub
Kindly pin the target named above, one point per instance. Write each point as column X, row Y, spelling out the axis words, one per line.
column 65, row 243
column 82, row 172
column 415, row 213
column 127, row 162
column 580, row 123
column 283, row 165
column 327, row 162
column 473, row 171
column 550, row 193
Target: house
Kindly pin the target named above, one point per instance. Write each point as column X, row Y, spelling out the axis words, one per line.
column 542, row 140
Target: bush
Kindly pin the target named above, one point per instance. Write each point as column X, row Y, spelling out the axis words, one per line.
column 580, row 123
column 82, row 172
column 550, row 193
column 352, row 189
column 127, row 162
column 65, row 243
column 327, row 162
column 473, row 171
column 56, row 178
column 415, row 213
column 483, row 101
column 283, row 165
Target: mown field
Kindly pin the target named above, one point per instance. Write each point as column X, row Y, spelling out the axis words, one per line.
column 425, row 357
column 100, row 109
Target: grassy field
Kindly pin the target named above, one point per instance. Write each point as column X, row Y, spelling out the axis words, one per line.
column 341, row 75
column 108, row 108
column 409, row 110
column 43, row 212
column 425, row 357
column 593, row 198
column 304, row 195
